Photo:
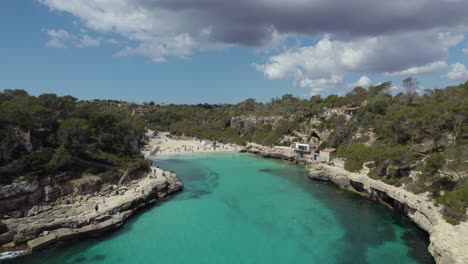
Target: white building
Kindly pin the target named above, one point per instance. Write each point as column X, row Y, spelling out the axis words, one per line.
column 302, row 147
column 326, row 154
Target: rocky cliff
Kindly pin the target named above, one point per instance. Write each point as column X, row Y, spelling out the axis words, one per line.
column 284, row 153
column 72, row 214
column 246, row 124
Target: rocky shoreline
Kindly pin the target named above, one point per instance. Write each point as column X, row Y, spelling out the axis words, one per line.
column 78, row 216
column 448, row 243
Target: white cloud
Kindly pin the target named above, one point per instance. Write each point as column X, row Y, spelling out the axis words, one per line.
column 180, row 45
column 403, row 39
column 428, row 68
column 396, row 88
column 164, row 28
column 465, row 50
column 87, row 41
column 57, row 38
column 155, row 33
column 422, row 52
column 319, row 85
column 458, row 72
column 364, row 81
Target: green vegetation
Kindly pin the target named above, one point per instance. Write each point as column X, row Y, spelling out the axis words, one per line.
column 231, row 123
column 455, row 203
column 425, row 132
column 45, row 135
column 397, row 134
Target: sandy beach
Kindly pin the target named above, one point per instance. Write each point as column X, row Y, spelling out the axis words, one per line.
column 163, row 144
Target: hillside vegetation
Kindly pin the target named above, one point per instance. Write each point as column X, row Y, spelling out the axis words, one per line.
column 47, row 135
column 414, row 139
column 419, row 140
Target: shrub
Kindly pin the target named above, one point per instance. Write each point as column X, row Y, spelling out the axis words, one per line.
column 455, row 203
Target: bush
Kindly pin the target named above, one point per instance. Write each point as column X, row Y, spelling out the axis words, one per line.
column 60, row 158
column 356, row 155
column 455, row 203
column 111, row 176
column 434, row 163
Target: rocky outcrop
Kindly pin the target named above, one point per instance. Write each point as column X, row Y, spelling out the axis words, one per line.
column 284, row 153
column 3, row 228
column 246, row 124
column 84, row 185
column 73, row 214
column 319, row 175
column 448, row 243
column 52, row 193
column 20, row 195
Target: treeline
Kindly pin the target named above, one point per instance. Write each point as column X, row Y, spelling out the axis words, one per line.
column 214, row 121
column 426, row 132
column 45, row 135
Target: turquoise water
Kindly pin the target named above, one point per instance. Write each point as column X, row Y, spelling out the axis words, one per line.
column 239, row 208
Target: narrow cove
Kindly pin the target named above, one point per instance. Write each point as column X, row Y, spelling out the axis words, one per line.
column 239, row 208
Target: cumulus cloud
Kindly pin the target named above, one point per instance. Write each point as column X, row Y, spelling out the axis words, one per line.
column 319, row 85
column 87, row 41
column 364, row 81
column 458, row 72
column 162, row 28
column 427, row 68
column 396, row 37
column 57, row 38
column 370, row 54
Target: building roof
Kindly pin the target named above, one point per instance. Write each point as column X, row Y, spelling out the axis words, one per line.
column 328, row 150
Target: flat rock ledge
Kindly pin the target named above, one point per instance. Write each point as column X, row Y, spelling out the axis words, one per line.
column 283, row 153
column 448, row 243
column 77, row 217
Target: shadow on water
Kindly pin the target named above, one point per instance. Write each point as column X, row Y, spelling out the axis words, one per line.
column 198, row 180
column 95, row 258
column 361, row 219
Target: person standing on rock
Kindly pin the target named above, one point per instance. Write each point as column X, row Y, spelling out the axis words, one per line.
column 96, row 208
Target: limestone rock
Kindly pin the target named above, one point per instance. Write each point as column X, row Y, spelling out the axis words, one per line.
column 318, row 175
column 35, row 210
column 18, row 189
column 17, row 214
column 3, row 228
column 51, row 193
column 7, row 237
column 84, row 185
column 16, row 196
column 341, row 181
column 42, row 242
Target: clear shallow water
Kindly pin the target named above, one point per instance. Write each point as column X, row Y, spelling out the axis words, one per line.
column 245, row 209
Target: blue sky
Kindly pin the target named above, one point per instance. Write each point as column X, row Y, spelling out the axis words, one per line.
column 63, row 47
